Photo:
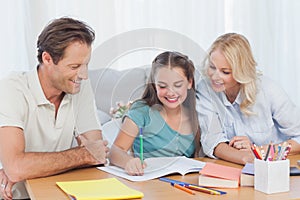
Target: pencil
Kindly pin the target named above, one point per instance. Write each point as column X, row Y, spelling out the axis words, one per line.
column 141, row 146
column 188, row 184
column 287, row 151
column 202, row 189
column 183, row 188
column 268, row 151
column 258, row 152
column 254, row 150
column 272, row 153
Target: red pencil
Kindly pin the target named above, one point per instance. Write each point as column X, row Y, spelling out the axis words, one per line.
column 254, row 150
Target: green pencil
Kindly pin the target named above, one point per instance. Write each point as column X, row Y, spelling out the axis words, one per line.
column 141, row 146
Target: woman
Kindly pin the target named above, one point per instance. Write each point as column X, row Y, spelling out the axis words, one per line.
column 165, row 115
column 238, row 107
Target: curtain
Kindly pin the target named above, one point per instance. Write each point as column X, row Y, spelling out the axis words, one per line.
column 131, row 33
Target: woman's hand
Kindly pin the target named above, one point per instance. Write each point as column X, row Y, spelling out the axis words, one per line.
column 134, row 167
column 240, row 143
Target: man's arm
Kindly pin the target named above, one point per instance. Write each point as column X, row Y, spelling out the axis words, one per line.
column 20, row 165
column 6, row 186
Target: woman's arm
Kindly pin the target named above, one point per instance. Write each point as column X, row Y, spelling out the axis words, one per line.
column 285, row 113
column 226, row 152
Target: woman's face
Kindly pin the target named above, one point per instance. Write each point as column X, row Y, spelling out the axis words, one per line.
column 171, row 86
column 220, row 74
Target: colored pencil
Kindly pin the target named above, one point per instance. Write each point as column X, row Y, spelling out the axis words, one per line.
column 183, row 188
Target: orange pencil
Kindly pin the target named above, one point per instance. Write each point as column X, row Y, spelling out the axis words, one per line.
column 183, row 188
column 202, row 189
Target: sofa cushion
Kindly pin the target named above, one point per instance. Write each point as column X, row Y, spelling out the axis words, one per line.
column 110, row 130
column 111, row 86
column 103, row 116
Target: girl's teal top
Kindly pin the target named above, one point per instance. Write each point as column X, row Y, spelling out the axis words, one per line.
column 159, row 139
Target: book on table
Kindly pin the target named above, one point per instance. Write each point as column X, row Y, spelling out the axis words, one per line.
column 110, row 188
column 247, row 175
column 219, row 176
column 158, row 167
column 294, row 171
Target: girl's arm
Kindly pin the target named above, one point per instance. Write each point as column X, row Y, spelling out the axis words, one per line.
column 119, row 151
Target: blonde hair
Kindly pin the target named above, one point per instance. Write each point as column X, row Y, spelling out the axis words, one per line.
column 237, row 51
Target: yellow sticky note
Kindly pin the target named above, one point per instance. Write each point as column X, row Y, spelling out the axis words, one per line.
column 110, row 188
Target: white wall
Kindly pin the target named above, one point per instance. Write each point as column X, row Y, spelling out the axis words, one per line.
column 272, row 27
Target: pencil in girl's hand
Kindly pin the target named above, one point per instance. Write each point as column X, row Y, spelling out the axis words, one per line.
column 141, row 146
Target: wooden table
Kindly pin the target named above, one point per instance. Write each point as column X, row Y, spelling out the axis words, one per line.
column 45, row 188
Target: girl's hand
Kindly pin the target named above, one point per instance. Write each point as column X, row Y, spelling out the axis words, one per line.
column 240, row 143
column 134, row 167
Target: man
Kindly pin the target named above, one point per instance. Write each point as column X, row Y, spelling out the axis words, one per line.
column 41, row 111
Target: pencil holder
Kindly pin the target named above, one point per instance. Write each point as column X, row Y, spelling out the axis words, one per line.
column 272, row 176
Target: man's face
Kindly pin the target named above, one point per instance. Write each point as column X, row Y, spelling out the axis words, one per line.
column 72, row 68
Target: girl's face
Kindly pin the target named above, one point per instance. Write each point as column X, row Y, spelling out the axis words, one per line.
column 171, row 86
column 220, row 74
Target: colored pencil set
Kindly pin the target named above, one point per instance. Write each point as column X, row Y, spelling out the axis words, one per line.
column 191, row 188
column 273, row 153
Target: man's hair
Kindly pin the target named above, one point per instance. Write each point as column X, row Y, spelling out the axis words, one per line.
column 59, row 33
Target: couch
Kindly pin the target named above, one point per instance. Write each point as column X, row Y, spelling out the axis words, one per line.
column 111, row 86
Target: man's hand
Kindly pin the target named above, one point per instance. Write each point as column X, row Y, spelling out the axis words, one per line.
column 6, row 186
column 97, row 148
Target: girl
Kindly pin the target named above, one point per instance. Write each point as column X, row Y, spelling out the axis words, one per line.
column 165, row 115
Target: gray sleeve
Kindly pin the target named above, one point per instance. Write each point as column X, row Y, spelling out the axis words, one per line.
column 212, row 132
column 284, row 112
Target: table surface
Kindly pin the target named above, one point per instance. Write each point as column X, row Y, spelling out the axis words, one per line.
column 46, row 188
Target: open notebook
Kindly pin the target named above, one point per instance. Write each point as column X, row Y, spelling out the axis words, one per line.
column 110, row 188
column 158, row 167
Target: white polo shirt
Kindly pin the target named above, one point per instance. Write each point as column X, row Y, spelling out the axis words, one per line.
column 23, row 104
